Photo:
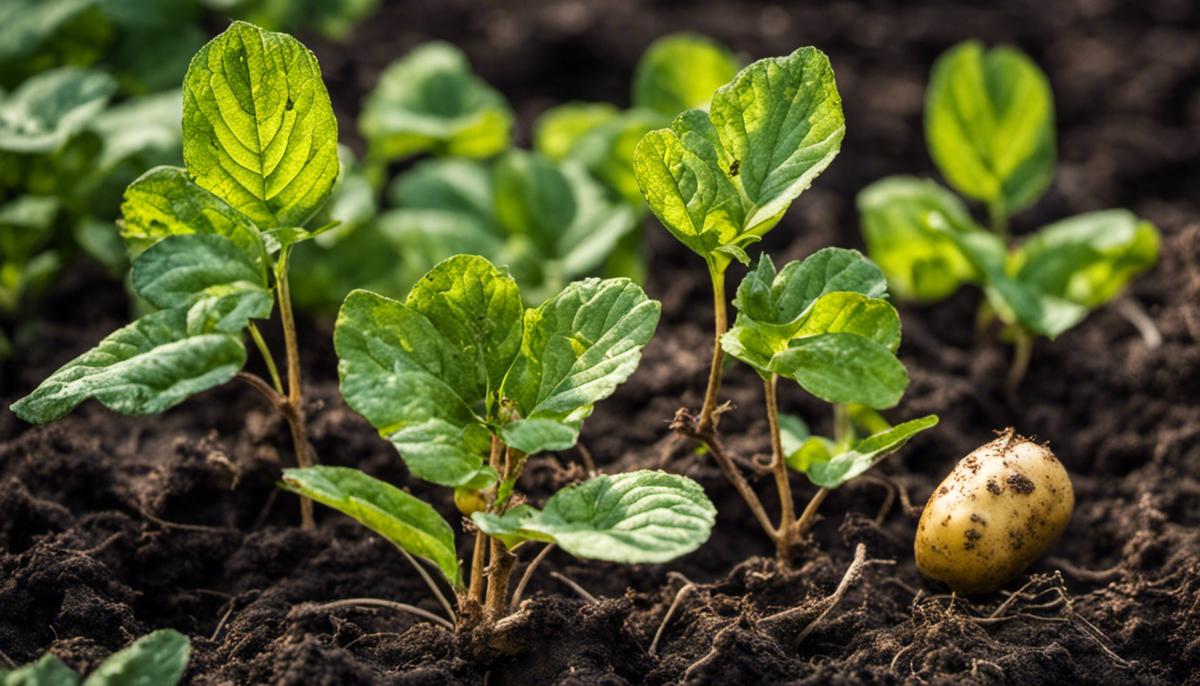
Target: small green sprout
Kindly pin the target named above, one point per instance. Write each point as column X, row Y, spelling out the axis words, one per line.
column 157, row 659
column 211, row 243
column 466, row 383
column 989, row 125
column 823, row 323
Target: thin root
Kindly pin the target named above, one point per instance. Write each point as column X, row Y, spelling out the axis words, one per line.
column 679, row 597
column 391, row 605
column 579, row 590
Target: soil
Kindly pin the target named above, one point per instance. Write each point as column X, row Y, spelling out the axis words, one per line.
column 112, row 526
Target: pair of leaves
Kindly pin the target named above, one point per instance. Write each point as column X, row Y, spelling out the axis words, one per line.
column 639, row 517
column 989, row 125
column 430, row 101
column 823, row 323
column 260, row 150
column 550, row 222
column 928, row 245
column 676, row 73
column 158, row 658
column 721, row 179
column 461, row 359
column 828, row 466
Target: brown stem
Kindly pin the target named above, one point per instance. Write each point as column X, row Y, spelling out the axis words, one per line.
column 685, row 424
column 708, row 418
column 778, row 461
column 304, row 455
column 259, row 384
column 378, row 602
column 478, row 557
column 499, row 573
column 809, row 516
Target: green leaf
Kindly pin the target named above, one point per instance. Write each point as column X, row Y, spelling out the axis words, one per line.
column 165, row 202
column 156, row 659
column 989, row 124
column 429, row 101
column 425, row 372
column 26, row 225
column 557, row 132
column 1014, row 301
column 679, row 72
column 844, row 368
column 206, row 270
column 48, row 109
column 899, row 215
column 826, row 470
column 259, row 130
column 143, row 368
column 793, row 431
column 637, row 518
column 772, row 308
column 532, row 197
column 781, row 121
column 846, row 312
column 608, row 151
column 578, row 347
column 406, row 521
column 451, row 184
column 1087, row 259
column 47, row 671
column 36, row 35
column 682, row 178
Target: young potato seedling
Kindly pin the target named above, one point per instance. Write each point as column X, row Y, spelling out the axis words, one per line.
column 824, row 323
column 211, row 242
column 989, row 125
column 466, row 383
column 718, row 181
column 999, row 509
column 156, row 659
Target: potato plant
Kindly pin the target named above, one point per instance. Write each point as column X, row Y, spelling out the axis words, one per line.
column 989, row 126
column 157, row 659
column 211, row 241
column 718, row 181
column 567, row 209
column 467, row 383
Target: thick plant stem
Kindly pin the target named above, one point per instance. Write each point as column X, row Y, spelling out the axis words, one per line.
column 1022, row 353
column 500, row 569
column 478, row 558
column 294, row 409
column 779, row 467
column 708, row 411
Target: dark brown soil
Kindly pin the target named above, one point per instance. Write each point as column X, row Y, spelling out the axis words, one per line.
column 111, row 526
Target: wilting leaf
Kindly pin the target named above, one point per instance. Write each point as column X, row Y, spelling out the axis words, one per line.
column 406, row 521
column 143, row 368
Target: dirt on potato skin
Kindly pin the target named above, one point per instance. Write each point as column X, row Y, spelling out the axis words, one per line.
column 112, row 526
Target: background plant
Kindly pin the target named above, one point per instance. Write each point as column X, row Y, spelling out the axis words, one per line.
column 158, row 658
column 466, row 383
column 567, row 209
column 989, row 126
column 211, row 242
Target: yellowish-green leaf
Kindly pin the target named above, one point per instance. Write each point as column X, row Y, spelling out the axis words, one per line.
column 989, row 124
column 680, row 72
column 258, row 126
